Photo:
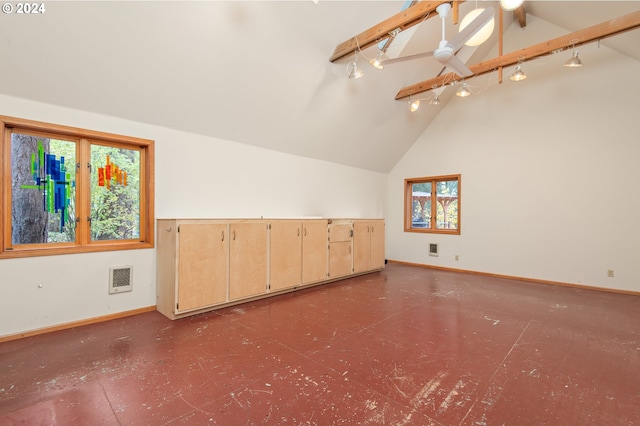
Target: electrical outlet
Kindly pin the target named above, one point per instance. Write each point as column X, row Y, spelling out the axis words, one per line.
column 610, row 273
column 457, row 257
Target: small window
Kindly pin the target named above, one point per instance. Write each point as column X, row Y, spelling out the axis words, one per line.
column 432, row 204
column 73, row 190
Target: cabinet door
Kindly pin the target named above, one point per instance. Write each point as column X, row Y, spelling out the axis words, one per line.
column 247, row 259
column 377, row 244
column 286, row 254
column 314, row 251
column 202, row 266
column 361, row 246
column 340, row 259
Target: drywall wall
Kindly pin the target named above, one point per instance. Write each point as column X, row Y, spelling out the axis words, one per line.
column 196, row 177
column 549, row 172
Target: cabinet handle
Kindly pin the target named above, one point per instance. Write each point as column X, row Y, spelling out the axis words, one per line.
column 222, row 235
column 371, row 228
column 298, row 232
column 305, row 232
column 234, row 235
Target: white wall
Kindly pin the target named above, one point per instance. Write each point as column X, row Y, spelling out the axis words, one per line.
column 196, row 176
column 550, row 173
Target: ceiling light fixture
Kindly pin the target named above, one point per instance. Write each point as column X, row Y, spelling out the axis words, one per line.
column 463, row 92
column 415, row 105
column 435, row 100
column 509, row 5
column 518, row 74
column 574, row 61
column 483, row 33
column 377, row 61
column 352, row 69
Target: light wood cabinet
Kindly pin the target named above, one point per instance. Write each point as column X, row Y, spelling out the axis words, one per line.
column 202, row 254
column 378, row 257
column 340, row 249
column 204, row 264
column 298, row 253
column 247, row 259
column 285, row 266
column 368, row 245
column 191, row 266
column 314, row 251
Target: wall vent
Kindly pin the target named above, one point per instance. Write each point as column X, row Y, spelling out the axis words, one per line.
column 120, row 279
column 433, row 249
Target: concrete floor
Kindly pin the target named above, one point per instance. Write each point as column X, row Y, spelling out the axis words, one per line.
column 406, row 346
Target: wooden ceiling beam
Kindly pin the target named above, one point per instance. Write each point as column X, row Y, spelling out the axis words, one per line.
column 587, row 35
column 402, row 20
column 521, row 15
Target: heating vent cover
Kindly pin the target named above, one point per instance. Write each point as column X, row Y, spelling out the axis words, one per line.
column 433, row 249
column 120, row 279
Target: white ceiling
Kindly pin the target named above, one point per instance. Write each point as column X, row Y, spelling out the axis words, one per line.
column 252, row 72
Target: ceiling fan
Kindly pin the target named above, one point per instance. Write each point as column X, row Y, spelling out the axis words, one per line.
column 445, row 53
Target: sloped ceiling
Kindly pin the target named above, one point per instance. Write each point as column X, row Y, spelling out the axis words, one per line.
column 251, row 72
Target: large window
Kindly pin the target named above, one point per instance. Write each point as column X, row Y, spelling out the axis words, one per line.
column 70, row 190
column 432, row 204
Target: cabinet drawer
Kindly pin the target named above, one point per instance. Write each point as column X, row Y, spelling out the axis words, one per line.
column 339, row 233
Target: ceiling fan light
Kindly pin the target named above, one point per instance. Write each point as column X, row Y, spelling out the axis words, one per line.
column 574, row 61
column 463, row 92
column 518, row 75
column 483, row 33
column 509, row 5
column 413, row 106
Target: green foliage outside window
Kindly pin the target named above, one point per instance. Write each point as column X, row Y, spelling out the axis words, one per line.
column 70, row 188
column 432, row 204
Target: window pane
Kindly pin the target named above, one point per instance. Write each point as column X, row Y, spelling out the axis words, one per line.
column 42, row 190
column 115, row 193
column 421, row 212
column 447, row 209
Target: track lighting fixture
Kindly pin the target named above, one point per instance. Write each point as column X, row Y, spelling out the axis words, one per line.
column 574, row 61
column 435, row 100
column 518, row 74
column 377, row 61
column 463, row 92
column 352, row 69
column 414, row 105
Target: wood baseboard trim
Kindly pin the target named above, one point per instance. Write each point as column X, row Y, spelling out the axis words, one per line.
column 74, row 324
column 515, row 278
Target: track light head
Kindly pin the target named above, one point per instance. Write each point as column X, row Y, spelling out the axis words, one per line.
column 574, row 61
column 352, row 69
column 377, row 61
column 463, row 92
column 518, row 74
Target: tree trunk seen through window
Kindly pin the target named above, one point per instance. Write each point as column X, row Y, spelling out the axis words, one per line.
column 29, row 217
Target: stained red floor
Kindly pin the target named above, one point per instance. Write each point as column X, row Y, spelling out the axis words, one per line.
column 407, row 346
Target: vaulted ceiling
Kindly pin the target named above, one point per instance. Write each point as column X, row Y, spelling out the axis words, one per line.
column 253, row 72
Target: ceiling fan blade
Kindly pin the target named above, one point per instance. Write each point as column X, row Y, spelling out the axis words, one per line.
column 457, row 66
column 407, row 58
column 470, row 30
